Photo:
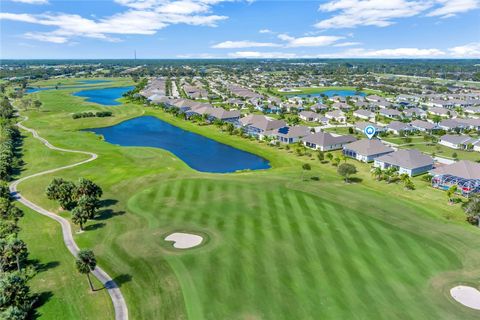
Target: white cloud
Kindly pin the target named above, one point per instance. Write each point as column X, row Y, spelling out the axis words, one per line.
column 31, row 1
column 265, row 31
column 380, row 13
column 45, row 37
column 243, row 44
column 145, row 17
column 262, row 55
column 318, row 41
column 450, row 8
column 471, row 50
column 347, row 44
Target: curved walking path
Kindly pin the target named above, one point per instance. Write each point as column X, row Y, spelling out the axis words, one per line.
column 119, row 305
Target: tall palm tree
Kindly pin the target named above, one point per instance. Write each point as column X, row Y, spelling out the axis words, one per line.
column 85, row 263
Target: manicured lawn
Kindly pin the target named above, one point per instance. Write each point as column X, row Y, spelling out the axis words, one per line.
column 63, row 292
column 278, row 247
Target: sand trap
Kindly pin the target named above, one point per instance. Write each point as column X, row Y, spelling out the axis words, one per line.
column 184, row 240
column 468, row 296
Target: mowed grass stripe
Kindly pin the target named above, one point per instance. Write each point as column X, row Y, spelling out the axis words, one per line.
column 356, row 284
column 337, row 304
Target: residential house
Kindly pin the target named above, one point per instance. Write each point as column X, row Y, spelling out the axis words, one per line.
column 452, row 124
column 260, row 126
column 292, row 134
column 309, row 116
column 415, row 113
column 464, row 174
column 360, row 126
column 336, row 115
column 364, row 114
column 390, row 113
column 325, row 141
column 319, row 107
column 461, row 142
column 411, row 162
column 423, row 126
column 397, row 127
column 445, row 113
column 342, row 106
column 366, row 150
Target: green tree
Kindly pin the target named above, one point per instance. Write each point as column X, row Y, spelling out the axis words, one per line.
column 15, row 293
column 88, row 188
column 80, row 216
column 62, row 191
column 329, row 156
column 305, row 167
column 472, row 210
column 321, row 156
column 450, row 192
column 377, row 173
column 346, row 170
column 85, row 263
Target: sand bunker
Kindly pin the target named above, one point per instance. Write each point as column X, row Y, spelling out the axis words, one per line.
column 184, row 240
column 468, row 296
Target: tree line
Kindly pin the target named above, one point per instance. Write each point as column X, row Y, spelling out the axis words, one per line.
column 16, row 300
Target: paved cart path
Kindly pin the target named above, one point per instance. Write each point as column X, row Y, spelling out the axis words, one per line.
column 119, row 305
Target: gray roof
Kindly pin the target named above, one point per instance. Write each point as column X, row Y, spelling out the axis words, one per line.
column 361, row 125
column 451, row 123
column 390, row 112
column 409, row 159
column 221, row 113
column 365, row 113
column 367, row 147
column 326, row 139
column 398, row 126
column 293, row 132
column 464, row 169
column 423, row 124
column 262, row 122
column 457, row 139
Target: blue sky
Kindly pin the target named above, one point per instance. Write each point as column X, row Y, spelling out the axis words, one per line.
column 239, row 29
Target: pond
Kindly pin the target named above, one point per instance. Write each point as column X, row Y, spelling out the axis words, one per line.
column 105, row 96
column 81, row 82
column 198, row 152
column 329, row 93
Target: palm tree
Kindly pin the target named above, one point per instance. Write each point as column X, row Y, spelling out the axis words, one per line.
column 450, row 192
column 377, row 173
column 85, row 263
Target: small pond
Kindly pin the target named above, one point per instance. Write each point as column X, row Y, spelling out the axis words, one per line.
column 105, row 96
column 200, row 153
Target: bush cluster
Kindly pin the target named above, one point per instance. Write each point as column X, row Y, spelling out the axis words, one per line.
column 90, row 114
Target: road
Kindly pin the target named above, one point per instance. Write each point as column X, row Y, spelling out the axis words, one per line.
column 119, row 304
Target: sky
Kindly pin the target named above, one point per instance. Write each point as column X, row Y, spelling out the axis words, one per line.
column 165, row 29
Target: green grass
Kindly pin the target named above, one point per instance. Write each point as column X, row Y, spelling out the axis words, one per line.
column 279, row 247
column 63, row 292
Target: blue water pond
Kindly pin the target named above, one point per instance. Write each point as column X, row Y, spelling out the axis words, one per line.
column 330, row 93
column 105, row 96
column 200, row 153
